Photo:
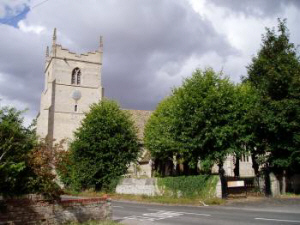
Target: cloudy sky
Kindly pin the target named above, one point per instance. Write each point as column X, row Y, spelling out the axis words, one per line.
column 149, row 46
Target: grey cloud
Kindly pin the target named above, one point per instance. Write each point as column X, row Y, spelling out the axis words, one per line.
column 260, row 8
column 21, row 65
column 140, row 38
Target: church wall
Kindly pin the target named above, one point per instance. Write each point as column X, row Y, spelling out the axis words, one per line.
column 65, row 124
column 246, row 169
column 65, row 103
column 42, row 123
column 89, row 72
column 43, row 117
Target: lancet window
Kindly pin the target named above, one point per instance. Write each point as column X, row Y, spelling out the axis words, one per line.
column 76, row 76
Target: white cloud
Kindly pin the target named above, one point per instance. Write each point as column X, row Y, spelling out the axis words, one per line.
column 30, row 28
column 243, row 31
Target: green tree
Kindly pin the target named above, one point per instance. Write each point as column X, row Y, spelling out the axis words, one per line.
column 42, row 160
column 26, row 164
column 16, row 142
column 104, row 146
column 196, row 122
column 246, row 126
column 275, row 73
column 204, row 117
column 159, row 136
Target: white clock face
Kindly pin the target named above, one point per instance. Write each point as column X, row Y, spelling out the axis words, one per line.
column 76, row 95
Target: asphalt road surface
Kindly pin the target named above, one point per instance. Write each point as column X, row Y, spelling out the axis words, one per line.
column 267, row 211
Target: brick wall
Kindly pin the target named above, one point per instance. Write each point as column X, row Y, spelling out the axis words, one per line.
column 37, row 210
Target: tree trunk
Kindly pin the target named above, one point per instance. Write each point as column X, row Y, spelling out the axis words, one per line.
column 237, row 167
column 169, row 167
column 267, row 182
column 223, row 180
column 162, row 168
column 255, row 165
column 159, row 167
column 186, row 170
column 283, row 191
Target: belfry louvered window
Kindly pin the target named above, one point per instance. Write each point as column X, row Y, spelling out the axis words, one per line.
column 76, row 76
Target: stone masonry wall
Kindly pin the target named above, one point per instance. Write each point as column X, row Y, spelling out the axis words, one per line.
column 41, row 211
column 149, row 187
column 134, row 186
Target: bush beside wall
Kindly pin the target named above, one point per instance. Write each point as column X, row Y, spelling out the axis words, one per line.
column 203, row 186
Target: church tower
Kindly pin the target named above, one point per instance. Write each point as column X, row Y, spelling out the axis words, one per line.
column 72, row 84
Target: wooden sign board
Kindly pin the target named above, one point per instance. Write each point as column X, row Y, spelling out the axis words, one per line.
column 237, row 183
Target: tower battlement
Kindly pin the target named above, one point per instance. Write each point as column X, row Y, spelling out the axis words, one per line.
column 64, row 53
column 59, row 52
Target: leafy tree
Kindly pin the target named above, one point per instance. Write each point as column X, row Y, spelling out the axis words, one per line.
column 159, row 136
column 196, row 121
column 247, row 126
column 204, row 117
column 103, row 147
column 16, row 142
column 42, row 161
column 275, row 73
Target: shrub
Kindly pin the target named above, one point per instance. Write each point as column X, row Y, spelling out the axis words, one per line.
column 102, row 150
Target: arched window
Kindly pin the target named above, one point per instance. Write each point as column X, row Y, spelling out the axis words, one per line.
column 73, row 79
column 76, row 76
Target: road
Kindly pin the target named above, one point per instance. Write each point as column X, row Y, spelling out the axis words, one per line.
column 282, row 212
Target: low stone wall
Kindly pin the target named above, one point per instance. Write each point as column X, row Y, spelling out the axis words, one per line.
column 37, row 210
column 149, row 187
column 138, row 187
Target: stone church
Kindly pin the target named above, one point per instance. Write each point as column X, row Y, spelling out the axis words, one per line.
column 72, row 84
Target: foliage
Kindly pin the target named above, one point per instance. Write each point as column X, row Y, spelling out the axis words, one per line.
column 275, row 73
column 204, row 116
column 247, row 126
column 42, row 161
column 159, row 136
column 196, row 122
column 206, row 166
column 63, row 167
column 103, row 148
column 188, row 186
column 25, row 164
column 16, row 142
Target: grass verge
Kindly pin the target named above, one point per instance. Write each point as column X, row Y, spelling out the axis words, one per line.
column 106, row 222
column 152, row 199
column 289, row 195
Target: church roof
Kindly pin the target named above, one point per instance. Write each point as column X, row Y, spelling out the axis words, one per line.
column 140, row 118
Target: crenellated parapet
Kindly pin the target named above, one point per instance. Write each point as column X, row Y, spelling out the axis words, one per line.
column 63, row 53
column 60, row 52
